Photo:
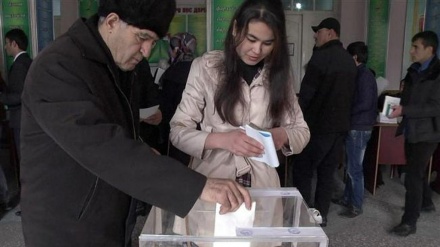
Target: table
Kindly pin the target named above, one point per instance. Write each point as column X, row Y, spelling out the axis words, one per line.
column 384, row 148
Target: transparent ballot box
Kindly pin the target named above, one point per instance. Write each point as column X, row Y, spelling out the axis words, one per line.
column 279, row 218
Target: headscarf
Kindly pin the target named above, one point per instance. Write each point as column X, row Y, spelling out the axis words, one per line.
column 182, row 47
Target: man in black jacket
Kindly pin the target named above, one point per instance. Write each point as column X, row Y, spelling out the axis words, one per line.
column 16, row 44
column 325, row 98
column 420, row 108
column 82, row 163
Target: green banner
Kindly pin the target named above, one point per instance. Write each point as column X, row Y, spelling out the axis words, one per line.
column 15, row 15
column 222, row 13
column 197, row 27
column 378, row 19
column 88, row 8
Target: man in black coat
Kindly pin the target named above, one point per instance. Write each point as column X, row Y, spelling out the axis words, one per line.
column 420, row 109
column 16, row 44
column 82, row 162
column 325, row 98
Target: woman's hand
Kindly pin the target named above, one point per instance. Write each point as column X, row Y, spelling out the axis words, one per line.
column 236, row 142
column 279, row 137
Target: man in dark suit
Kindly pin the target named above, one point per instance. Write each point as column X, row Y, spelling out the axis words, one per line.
column 16, row 44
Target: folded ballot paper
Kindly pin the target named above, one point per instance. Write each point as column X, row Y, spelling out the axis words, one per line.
column 264, row 137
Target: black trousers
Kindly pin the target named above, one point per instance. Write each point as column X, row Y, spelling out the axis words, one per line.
column 416, row 183
column 322, row 155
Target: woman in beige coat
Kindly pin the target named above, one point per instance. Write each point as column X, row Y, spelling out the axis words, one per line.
column 249, row 82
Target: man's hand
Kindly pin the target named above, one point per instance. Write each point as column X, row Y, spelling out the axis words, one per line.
column 226, row 192
column 154, row 119
column 397, row 111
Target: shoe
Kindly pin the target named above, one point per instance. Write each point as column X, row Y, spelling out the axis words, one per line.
column 403, row 230
column 18, row 213
column 341, row 202
column 425, row 208
column 428, row 208
column 324, row 221
column 435, row 186
column 351, row 212
column 5, row 207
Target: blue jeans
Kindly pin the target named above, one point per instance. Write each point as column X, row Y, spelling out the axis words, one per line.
column 355, row 145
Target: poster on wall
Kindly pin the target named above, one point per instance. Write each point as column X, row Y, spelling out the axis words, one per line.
column 15, row 14
column 378, row 18
column 432, row 19
column 88, row 8
column 222, row 13
column 44, row 23
column 415, row 21
column 190, row 19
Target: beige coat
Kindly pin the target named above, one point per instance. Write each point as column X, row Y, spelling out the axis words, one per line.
column 197, row 106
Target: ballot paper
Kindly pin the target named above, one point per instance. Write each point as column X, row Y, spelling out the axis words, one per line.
column 387, row 109
column 226, row 224
column 146, row 112
column 270, row 156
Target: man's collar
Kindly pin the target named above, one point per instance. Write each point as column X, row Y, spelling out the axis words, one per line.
column 18, row 54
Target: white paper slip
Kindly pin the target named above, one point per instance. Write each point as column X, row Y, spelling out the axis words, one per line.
column 226, row 224
column 389, row 102
column 146, row 112
column 264, row 137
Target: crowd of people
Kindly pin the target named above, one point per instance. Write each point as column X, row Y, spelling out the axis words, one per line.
column 88, row 160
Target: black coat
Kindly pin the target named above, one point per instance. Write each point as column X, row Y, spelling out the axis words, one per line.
column 81, row 163
column 421, row 104
column 12, row 93
column 327, row 89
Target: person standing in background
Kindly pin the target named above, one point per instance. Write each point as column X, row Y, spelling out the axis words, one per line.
column 420, row 125
column 173, row 81
column 363, row 118
column 16, row 44
column 325, row 98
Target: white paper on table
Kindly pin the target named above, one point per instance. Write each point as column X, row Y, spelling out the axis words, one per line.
column 226, row 224
column 146, row 112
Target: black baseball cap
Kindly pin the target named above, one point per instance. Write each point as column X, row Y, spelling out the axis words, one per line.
column 329, row 23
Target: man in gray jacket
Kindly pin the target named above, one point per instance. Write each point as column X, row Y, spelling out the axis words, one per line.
column 82, row 163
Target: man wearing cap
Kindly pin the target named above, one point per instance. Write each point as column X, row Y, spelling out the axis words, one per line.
column 325, row 98
column 82, row 163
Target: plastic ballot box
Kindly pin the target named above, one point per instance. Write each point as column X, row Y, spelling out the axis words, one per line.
column 278, row 217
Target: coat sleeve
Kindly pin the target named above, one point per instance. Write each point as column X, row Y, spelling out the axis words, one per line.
column 184, row 134
column 60, row 104
column 297, row 130
column 16, row 77
column 311, row 81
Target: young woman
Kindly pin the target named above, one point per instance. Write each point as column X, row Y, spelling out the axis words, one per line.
column 249, row 82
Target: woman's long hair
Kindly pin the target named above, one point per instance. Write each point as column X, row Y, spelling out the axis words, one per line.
column 229, row 92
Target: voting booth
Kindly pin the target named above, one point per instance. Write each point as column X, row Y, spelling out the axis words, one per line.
column 279, row 217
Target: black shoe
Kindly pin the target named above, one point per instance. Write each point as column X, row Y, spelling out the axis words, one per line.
column 18, row 213
column 425, row 208
column 341, row 202
column 428, row 208
column 5, row 207
column 435, row 187
column 324, row 221
column 403, row 230
column 351, row 212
